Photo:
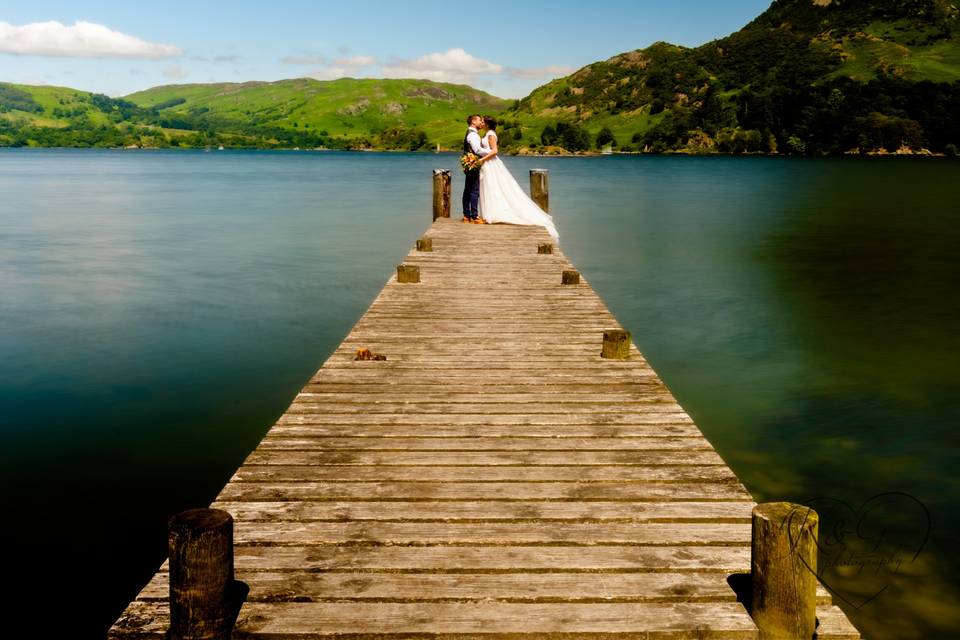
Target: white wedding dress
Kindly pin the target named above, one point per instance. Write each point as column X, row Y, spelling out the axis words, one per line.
column 502, row 200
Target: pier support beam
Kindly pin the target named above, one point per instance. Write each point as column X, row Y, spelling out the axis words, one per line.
column 200, row 545
column 783, row 567
column 540, row 188
column 441, row 193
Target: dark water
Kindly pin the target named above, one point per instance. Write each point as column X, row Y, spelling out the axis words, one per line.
column 159, row 310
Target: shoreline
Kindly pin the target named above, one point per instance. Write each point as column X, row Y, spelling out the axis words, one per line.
column 924, row 153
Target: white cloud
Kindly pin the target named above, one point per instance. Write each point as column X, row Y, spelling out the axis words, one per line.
column 81, row 40
column 342, row 68
column 356, row 61
column 175, row 72
column 455, row 65
column 554, row 71
column 329, row 73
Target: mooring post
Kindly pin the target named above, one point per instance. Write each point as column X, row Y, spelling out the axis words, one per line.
column 544, row 248
column 425, row 244
column 200, row 547
column 408, row 273
column 570, row 277
column 616, row 344
column 441, row 193
column 783, row 567
column 540, row 188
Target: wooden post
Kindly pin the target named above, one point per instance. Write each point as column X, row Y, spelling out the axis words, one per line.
column 544, row 248
column 200, row 546
column 540, row 188
column 783, row 570
column 570, row 277
column 441, row 193
column 425, row 244
column 616, row 344
column 408, row 273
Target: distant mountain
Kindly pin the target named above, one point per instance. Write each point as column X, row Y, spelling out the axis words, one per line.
column 344, row 113
column 814, row 76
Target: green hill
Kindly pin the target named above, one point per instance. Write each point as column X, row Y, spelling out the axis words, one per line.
column 813, row 76
column 345, row 113
column 347, row 108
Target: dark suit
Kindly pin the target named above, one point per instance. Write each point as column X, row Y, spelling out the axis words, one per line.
column 471, row 185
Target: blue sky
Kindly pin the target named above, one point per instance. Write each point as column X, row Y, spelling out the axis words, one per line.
column 507, row 48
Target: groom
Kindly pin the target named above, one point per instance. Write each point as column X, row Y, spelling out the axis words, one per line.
column 471, row 183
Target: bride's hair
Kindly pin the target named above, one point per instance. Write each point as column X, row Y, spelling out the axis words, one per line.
column 490, row 123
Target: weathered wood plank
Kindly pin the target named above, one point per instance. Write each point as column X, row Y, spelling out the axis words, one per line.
column 483, row 443
column 492, row 419
column 356, row 473
column 485, row 458
column 333, row 429
column 340, row 511
column 478, row 491
column 497, row 559
column 713, row 620
column 292, row 586
column 491, row 534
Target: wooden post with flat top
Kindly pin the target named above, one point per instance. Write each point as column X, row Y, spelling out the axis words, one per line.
column 540, row 188
column 441, row 193
column 408, row 273
column 616, row 344
column 200, row 547
column 783, row 565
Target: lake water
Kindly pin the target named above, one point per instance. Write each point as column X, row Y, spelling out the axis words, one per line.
column 160, row 309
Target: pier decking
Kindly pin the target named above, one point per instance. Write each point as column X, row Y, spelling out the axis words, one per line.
column 493, row 477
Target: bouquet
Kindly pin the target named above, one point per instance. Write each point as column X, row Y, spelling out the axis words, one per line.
column 469, row 162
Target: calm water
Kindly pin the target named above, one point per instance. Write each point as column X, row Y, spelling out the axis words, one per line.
column 159, row 310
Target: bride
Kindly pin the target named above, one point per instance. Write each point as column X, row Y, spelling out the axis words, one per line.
column 501, row 198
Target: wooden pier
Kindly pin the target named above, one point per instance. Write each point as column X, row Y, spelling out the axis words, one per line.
column 493, row 477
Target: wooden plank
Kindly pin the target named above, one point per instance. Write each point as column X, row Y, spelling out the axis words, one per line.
column 479, row 491
column 451, row 409
column 713, row 620
column 496, row 559
column 491, row 534
column 291, row 586
column 486, row 458
column 483, row 443
column 332, row 428
column 517, row 420
column 719, row 511
column 357, row 473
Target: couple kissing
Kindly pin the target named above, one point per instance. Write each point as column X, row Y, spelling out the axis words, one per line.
column 491, row 195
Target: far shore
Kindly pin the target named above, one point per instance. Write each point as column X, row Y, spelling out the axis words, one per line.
column 522, row 153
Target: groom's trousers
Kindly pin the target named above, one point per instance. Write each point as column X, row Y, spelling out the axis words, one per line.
column 471, row 194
